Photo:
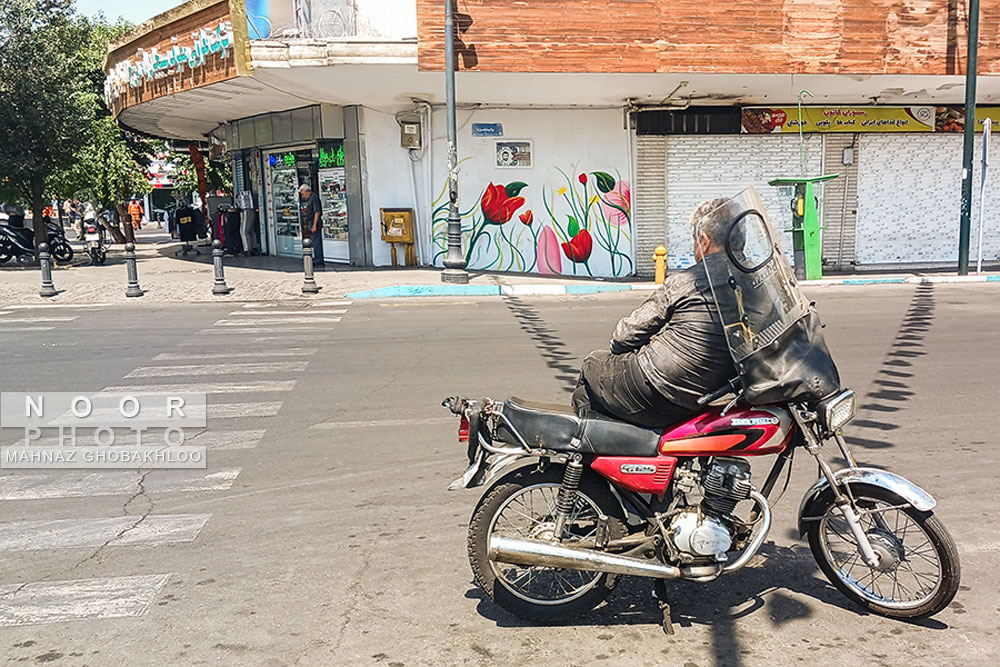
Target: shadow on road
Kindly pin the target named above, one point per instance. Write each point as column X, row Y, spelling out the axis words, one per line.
column 892, row 387
column 553, row 350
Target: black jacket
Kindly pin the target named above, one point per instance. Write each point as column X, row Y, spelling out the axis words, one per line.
column 681, row 345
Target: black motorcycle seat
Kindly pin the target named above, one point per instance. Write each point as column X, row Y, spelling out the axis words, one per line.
column 557, row 427
column 23, row 235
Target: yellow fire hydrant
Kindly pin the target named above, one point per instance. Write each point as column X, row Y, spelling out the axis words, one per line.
column 660, row 257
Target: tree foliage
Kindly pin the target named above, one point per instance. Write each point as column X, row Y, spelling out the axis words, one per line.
column 47, row 96
column 218, row 175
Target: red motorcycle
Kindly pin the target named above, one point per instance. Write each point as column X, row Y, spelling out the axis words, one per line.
column 574, row 502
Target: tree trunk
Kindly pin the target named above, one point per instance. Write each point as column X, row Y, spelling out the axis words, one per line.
column 41, row 233
column 122, row 218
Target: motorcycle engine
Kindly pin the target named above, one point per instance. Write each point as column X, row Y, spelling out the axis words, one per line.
column 704, row 531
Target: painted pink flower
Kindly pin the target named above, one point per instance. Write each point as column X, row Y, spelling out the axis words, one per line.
column 548, row 253
column 617, row 205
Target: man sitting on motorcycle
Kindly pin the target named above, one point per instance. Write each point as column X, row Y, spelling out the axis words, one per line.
column 671, row 350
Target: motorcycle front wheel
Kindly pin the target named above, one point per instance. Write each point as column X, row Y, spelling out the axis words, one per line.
column 522, row 504
column 62, row 251
column 5, row 253
column 918, row 572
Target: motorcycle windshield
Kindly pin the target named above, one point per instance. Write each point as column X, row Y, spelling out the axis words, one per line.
column 751, row 280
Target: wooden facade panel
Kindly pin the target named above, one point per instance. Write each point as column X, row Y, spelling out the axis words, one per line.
column 767, row 36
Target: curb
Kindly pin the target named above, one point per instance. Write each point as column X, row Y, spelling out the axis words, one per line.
column 584, row 289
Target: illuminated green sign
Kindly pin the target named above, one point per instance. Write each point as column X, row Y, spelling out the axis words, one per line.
column 330, row 156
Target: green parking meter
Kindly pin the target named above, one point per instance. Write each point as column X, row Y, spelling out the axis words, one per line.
column 807, row 243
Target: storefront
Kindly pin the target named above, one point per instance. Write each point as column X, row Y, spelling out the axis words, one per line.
column 272, row 174
column 894, row 205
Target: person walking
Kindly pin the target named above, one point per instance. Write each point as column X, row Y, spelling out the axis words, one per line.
column 135, row 211
column 312, row 222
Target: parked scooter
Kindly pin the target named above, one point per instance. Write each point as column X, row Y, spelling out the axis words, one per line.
column 95, row 236
column 19, row 242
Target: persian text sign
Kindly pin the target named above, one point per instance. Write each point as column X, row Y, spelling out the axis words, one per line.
column 764, row 120
column 150, row 64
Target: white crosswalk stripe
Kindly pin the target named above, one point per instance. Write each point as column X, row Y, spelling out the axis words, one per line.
column 73, row 484
column 206, row 387
column 43, row 306
column 231, row 432
column 217, row 369
column 56, row 601
column 97, row 532
column 183, row 356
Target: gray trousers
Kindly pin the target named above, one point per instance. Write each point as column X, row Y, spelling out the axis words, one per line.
column 615, row 385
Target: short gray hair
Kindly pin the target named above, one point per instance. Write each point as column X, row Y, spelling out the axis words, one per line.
column 708, row 218
column 305, row 187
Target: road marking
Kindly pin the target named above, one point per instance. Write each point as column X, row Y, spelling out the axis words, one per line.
column 272, row 320
column 304, row 311
column 67, row 484
column 383, row 422
column 56, row 305
column 262, row 329
column 36, row 320
column 311, row 304
column 288, row 352
column 206, row 387
column 22, row 329
column 218, row 369
column 114, row 531
column 233, row 410
column 219, row 440
column 57, row 601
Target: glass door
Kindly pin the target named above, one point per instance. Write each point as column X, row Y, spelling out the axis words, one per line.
column 285, row 205
column 333, row 196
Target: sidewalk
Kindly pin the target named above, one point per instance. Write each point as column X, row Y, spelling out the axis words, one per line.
column 166, row 278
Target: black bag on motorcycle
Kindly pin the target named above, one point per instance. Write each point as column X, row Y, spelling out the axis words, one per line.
column 796, row 367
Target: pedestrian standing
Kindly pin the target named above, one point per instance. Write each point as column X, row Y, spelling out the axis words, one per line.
column 312, row 222
column 135, row 211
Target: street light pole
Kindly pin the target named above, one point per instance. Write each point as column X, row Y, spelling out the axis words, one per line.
column 968, row 147
column 454, row 261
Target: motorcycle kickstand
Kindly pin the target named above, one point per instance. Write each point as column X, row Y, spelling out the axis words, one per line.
column 660, row 592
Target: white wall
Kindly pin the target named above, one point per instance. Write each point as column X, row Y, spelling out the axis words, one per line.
column 386, row 18
column 574, row 141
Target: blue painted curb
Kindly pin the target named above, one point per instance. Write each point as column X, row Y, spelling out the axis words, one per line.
column 426, row 290
column 872, row 281
column 595, row 289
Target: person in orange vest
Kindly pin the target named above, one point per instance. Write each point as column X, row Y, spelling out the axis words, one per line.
column 135, row 212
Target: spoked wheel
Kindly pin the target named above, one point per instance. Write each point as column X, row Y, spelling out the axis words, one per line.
column 523, row 505
column 918, row 571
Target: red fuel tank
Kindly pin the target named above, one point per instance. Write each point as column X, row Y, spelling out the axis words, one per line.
column 741, row 432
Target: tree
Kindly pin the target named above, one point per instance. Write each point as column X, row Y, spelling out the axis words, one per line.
column 46, row 97
column 111, row 166
column 218, row 175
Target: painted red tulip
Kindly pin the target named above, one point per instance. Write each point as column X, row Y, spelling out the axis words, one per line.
column 583, row 179
column 579, row 248
column 527, row 218
column 497, row 207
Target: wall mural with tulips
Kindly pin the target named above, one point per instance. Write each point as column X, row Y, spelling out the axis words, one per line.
column 579, row 225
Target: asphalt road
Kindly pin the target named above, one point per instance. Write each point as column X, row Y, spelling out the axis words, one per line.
column 321, row 532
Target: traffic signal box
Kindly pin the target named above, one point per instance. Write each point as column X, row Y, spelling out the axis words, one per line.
column 807, row 243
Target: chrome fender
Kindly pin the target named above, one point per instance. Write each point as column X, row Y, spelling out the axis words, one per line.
column 883, row 479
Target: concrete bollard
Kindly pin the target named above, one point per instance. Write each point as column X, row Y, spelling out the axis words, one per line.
column 309, row 286
column 45, row 260
column 219, row 288
column 133, row 273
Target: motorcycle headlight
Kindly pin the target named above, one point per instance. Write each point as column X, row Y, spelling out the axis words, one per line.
column 837, row 411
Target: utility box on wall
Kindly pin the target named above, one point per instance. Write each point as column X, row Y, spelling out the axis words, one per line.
column 409, row 133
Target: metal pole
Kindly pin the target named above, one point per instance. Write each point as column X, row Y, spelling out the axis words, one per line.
column 309, row 285
column 802, row 141
column 219, row 288
column 454, row 261
column 133, row 288
column 987, row 126
column 968, row 146
column 45, row 260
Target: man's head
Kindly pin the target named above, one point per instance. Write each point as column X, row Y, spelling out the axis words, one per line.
column 709, row 225
column 305, row 190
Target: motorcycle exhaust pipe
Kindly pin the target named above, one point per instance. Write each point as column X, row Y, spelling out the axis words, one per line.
column 520, row 551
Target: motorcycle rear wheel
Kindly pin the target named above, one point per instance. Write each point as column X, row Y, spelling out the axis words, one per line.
column 917, row 549
column 540, row 594
column 5, row 253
